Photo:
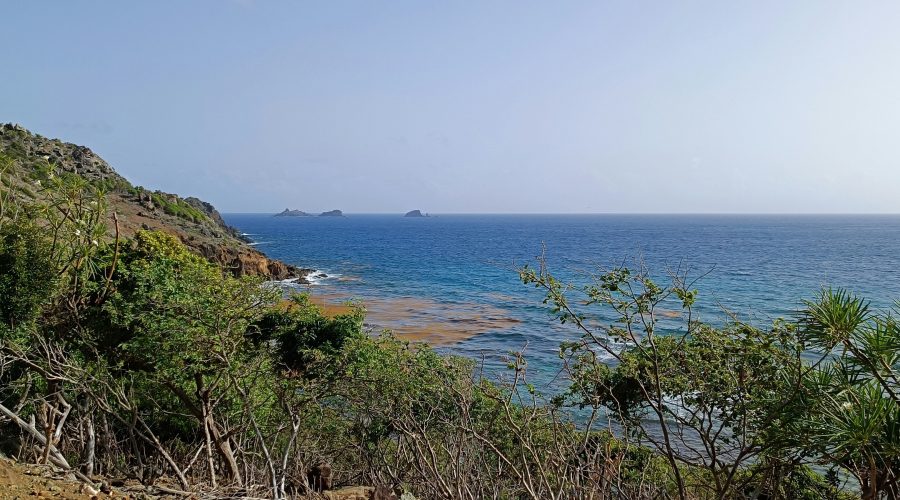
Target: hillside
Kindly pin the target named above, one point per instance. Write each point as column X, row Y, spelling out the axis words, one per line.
column 195, row 222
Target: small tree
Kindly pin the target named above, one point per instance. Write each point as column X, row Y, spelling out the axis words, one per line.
column 853, row 397
column 184, row 324
column 713, row 401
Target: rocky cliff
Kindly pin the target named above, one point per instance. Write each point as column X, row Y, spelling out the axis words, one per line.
column 197, row 223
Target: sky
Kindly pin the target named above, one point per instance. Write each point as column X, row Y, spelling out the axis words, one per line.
column 473, row 106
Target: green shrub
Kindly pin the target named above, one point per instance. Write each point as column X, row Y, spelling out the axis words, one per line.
column 177, row 207
column 301, row 333
column 27, row 273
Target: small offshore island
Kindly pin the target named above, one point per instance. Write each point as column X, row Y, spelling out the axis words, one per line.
column 300, row 213
column 415, row 213
column 292, row 213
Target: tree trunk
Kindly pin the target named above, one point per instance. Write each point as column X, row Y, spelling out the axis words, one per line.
column 205, row 416
column 224, row 447
column 89, row 445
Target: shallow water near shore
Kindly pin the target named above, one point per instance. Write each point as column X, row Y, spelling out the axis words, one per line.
column 451, row 280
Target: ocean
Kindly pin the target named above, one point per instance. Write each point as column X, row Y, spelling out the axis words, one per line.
column 451, row 280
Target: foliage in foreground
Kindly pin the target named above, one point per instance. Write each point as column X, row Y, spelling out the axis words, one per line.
column 139, row 358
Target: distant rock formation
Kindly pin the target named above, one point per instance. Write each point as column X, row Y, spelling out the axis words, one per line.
column 332, row 213
column 415, row 213
column 292, row 213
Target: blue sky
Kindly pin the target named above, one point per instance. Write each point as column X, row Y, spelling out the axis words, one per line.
column 487, row 106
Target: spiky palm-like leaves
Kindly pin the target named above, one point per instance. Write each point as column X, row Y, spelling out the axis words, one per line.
column 854, row 414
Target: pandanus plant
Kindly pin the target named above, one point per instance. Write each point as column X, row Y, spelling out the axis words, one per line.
column 854, row 393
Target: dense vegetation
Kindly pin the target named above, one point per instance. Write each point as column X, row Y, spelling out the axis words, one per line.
column 138, row 358
column 170, row 204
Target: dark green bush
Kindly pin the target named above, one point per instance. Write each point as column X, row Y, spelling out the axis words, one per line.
column 27, row 273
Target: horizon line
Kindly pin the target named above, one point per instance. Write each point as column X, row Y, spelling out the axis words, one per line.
column 317, row 214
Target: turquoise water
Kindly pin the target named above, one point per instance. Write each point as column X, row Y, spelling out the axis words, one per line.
column 454, row 275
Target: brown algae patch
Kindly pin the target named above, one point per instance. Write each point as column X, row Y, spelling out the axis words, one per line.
column 423, row 320
column 668, row 313
column 331, row 308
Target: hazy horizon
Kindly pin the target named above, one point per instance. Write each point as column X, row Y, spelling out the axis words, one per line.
column 483, row 108
column 316, row 213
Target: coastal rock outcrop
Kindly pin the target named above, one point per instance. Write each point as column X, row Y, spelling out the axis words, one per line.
column 250, row 262
column 332, row 213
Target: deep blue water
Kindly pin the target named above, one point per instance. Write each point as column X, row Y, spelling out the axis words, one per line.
column 460, row 269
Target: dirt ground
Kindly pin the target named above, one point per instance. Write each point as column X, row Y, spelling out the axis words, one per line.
column 22, row 481
column 32, row 482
